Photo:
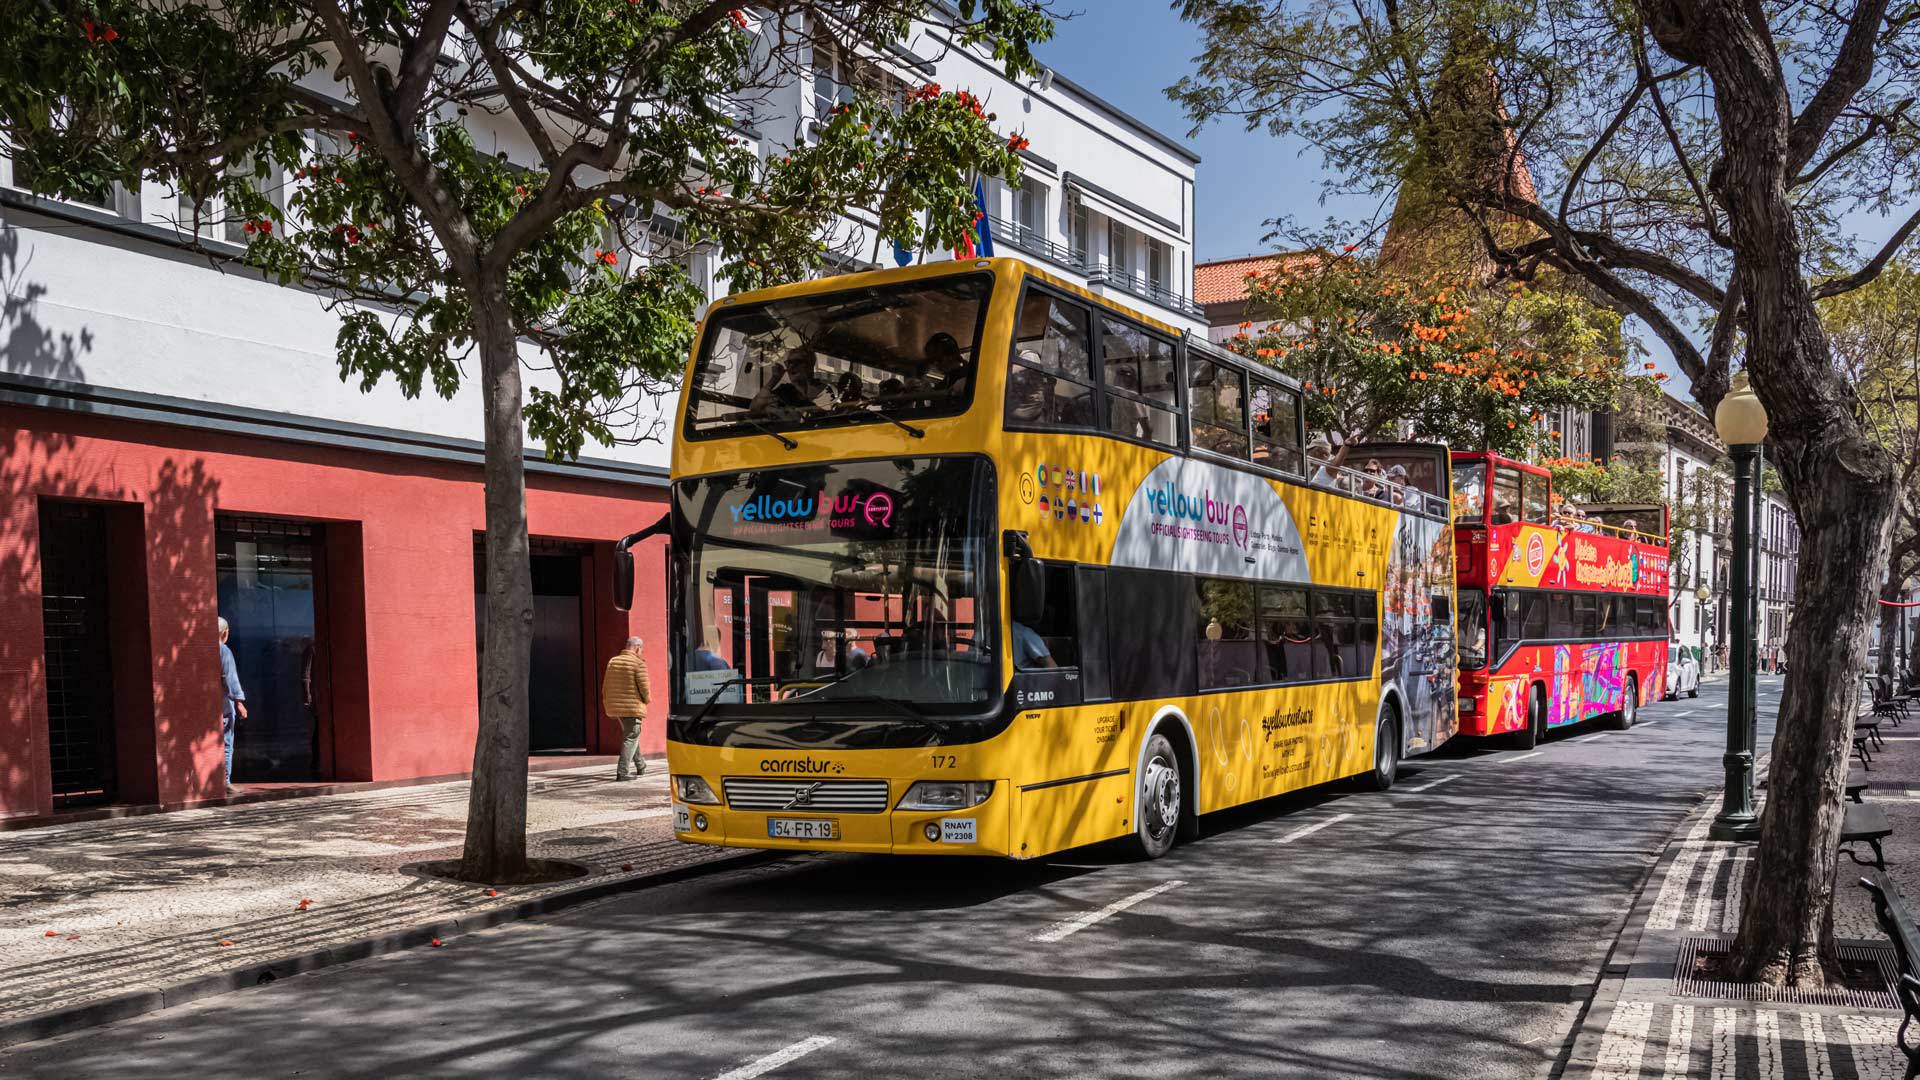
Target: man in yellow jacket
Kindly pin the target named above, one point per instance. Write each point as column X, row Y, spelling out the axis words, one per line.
column 623, row 693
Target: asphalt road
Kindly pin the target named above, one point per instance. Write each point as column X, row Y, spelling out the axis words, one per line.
column 1450, row 928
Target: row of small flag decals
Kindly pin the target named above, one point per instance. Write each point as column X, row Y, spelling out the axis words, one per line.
column 1068, row 479
column 1064, row 508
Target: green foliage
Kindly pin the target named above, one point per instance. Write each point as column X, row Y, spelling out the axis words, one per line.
column 415, row 232
column 1471, row 366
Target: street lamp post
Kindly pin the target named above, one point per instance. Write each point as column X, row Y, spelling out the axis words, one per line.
column 1742, row 424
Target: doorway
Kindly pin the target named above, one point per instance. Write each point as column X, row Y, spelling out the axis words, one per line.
column 269, row 579
column 74, row 611
column 556, row 684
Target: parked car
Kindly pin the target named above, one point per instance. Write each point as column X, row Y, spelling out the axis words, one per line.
column 1683, row 672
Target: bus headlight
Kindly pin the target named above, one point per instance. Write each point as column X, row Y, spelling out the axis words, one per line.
column 694, row 789
column 945, row 794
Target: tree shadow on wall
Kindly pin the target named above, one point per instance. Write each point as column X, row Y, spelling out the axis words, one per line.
column 27, row 347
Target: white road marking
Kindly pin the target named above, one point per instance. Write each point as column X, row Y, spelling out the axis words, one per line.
column 765, row 1065
column 1645, row 723
column 1069, row 927
column 1306, row 830
column 1684, row 712
column 1589, row 738
column 1430, row 785
column 1503, row 759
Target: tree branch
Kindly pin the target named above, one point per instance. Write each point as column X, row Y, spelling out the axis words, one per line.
column 1851, row 69
column 1836, row 286
column 418, row 62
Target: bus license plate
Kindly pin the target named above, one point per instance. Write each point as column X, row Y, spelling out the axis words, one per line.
column 803, row 829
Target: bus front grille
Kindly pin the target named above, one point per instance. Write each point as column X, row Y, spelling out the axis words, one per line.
column 838, row 796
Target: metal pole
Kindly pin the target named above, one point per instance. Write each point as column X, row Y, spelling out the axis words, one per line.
column 1736, row 820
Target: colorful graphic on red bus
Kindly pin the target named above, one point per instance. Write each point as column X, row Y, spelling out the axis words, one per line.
column 1563, row 608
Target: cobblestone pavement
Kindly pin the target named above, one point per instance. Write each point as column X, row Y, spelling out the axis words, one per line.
column 1650, row 1033
column 97, row 909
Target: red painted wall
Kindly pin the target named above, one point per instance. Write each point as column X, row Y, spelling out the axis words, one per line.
column 399, row 549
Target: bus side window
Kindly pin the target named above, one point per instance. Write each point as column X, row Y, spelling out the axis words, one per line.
column 1228, row 653
column 1286, row 634
column 1506, row 495
column 1560, row 619
column 1091, row 589
column 1150, row 635
column 1534, row 498
column 1043, row 615
column 1050, row 382
column 1217, row 406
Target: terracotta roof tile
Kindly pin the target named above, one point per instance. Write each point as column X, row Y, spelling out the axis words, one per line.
column 1225, row 280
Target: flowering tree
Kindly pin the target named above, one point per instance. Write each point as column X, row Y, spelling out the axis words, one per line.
column 1463, row 363
column 438, row 251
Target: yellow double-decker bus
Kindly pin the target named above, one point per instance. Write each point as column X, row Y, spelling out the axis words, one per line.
column 966, row 559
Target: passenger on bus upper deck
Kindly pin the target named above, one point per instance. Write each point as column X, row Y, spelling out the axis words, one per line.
column 792, row 386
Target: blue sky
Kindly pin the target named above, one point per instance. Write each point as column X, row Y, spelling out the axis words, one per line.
column 1129, row 52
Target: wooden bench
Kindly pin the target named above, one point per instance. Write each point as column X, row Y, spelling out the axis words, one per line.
column 1857, row 786
column 1865, row 825
column 1897, row 923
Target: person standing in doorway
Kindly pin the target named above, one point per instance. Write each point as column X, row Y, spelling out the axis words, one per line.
column 233, row 700
column 624, row 695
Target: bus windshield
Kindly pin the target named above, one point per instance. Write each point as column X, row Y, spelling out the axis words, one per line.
column 858, row 581
column 1470, row 490
column 857, row 356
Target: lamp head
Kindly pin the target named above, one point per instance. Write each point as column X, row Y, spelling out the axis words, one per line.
column 1741, row 420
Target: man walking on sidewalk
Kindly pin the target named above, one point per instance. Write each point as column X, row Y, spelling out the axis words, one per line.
column 233, row 700
column 624, row 695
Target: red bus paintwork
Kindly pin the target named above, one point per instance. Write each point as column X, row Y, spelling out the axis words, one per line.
column 1581, row 680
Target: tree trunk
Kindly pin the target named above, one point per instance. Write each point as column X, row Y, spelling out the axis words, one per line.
column 1891, row 619
column 1840, row 483
column 496, row 844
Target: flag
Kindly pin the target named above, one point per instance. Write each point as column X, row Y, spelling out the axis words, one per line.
column 981, row 222
column 981, row 229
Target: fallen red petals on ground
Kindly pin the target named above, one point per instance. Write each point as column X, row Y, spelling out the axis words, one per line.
column 224, row 942
column 437, row 943
column 53, row 933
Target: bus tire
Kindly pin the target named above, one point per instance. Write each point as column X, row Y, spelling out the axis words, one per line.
column 1159, row 798
column 1386, row 750
column 1629, row 706
column 1536, row 730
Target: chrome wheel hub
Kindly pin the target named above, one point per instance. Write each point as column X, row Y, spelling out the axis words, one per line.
column 1162, row 791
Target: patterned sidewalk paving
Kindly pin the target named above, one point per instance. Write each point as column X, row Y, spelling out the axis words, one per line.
column 1639, row 1029
column 95, row 911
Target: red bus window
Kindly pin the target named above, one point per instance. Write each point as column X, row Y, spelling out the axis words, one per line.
column 1506, row 495
column 1470, row 490
column 1534, row 498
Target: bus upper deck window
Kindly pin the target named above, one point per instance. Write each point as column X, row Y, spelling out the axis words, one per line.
column 1534, row 498
column 1218, row 401
column 1506, row 495
column 1050, row 383
column 1470, row 490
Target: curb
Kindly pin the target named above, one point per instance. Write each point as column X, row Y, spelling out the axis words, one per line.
column 1580, row 1055
column 151, row 998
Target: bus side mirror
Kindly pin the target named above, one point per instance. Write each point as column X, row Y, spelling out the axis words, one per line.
column 1016, row 546
column 622, row 578
column 623, row 560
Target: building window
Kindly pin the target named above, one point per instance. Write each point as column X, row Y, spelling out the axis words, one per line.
column 838, row 76
column 1030, row 206
column 113, row 197
column 1079, row 231
column 1160, row 265
column 1120, row 249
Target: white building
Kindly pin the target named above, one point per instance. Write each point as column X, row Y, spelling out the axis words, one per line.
column 176, row 441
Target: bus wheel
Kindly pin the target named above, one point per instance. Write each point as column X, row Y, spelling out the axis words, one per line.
column 1629, row 708
column 1386, row 751
column 1159, row 800
column 1536, row 730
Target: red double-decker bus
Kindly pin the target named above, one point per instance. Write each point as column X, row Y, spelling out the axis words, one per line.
column 1562, row 609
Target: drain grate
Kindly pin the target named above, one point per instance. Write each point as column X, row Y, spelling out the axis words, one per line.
column 1861, row 959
